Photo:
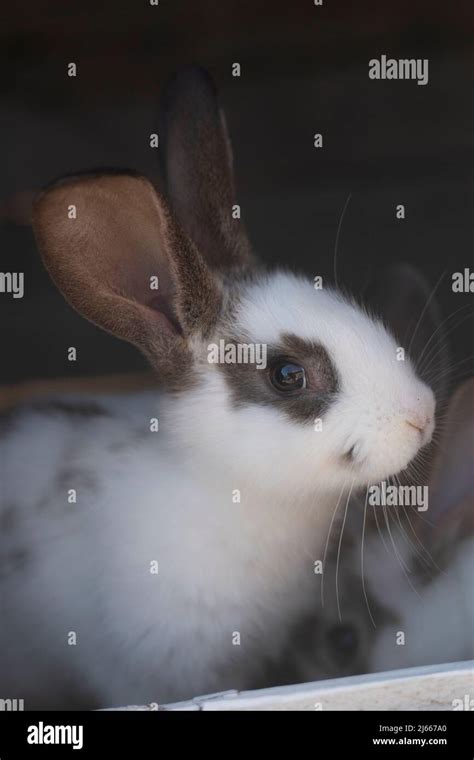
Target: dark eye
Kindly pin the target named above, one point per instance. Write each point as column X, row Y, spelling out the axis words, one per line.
column 286, row 376
column 343, row 642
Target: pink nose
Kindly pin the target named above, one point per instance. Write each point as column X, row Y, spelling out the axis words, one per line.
column 415, row 425
column 418, row 421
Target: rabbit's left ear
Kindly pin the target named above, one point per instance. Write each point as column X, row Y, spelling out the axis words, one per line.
column 405, row 301
column 114, row 250
column 197, row 167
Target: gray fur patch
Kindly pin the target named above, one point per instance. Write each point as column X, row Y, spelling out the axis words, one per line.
column 81, row 480
column 81, row 409
column 77, row 409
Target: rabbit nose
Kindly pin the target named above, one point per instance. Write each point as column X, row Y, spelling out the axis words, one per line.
column 417, row 424
column 419, row 413
column 420, row 422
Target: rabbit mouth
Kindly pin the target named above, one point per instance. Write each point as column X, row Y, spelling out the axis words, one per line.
column 352, row 454
column 349, row 455
column 367, row 465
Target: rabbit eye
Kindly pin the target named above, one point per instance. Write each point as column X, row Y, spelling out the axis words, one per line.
column 343, row 642
column 287, row 376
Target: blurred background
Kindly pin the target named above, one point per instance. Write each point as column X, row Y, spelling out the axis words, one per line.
column 304, row 69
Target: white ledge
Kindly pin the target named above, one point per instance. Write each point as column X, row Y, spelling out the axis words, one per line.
column 434, row 687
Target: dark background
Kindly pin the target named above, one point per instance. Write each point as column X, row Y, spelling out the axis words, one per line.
column 304, row 70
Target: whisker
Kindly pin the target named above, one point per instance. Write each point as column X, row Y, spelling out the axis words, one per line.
column 339, row 226
column 327, row 545
column 429, row 555
column 362, row 560
column 448, row 371
column 423, row 311
column 378, row 528
column 401, row 561
column 440, row 327
column 409, row 541
column 339, row 550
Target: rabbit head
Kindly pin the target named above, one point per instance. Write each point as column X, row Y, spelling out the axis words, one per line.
column 332, row 403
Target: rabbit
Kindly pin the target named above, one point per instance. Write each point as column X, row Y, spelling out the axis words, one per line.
column 428, row 587
column 339, row 637
column 158, row 546
column 418, row 570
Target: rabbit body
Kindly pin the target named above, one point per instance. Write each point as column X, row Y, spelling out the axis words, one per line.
column 187, row 551
column 234, row 520
column 144, row 631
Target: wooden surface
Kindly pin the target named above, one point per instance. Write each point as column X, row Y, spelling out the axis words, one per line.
column 126, row 382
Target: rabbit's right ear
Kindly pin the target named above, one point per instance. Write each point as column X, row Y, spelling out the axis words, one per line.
column 197, row 167
column 114, row 250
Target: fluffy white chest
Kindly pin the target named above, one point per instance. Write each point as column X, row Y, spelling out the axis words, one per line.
column 170, row 576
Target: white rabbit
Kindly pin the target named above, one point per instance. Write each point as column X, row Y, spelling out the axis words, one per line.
column 418, row 576
column 234, row 494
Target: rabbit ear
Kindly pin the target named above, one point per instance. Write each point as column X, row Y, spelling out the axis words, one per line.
column 108, row 240
column 452, row 482
column 197, row 166
column 408, row 307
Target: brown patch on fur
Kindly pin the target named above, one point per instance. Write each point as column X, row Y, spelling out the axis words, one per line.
column 250, row 385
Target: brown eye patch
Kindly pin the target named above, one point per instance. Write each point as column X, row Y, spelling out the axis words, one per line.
column 250, row 385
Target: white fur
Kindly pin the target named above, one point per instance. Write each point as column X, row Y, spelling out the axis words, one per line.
column 225, row 567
